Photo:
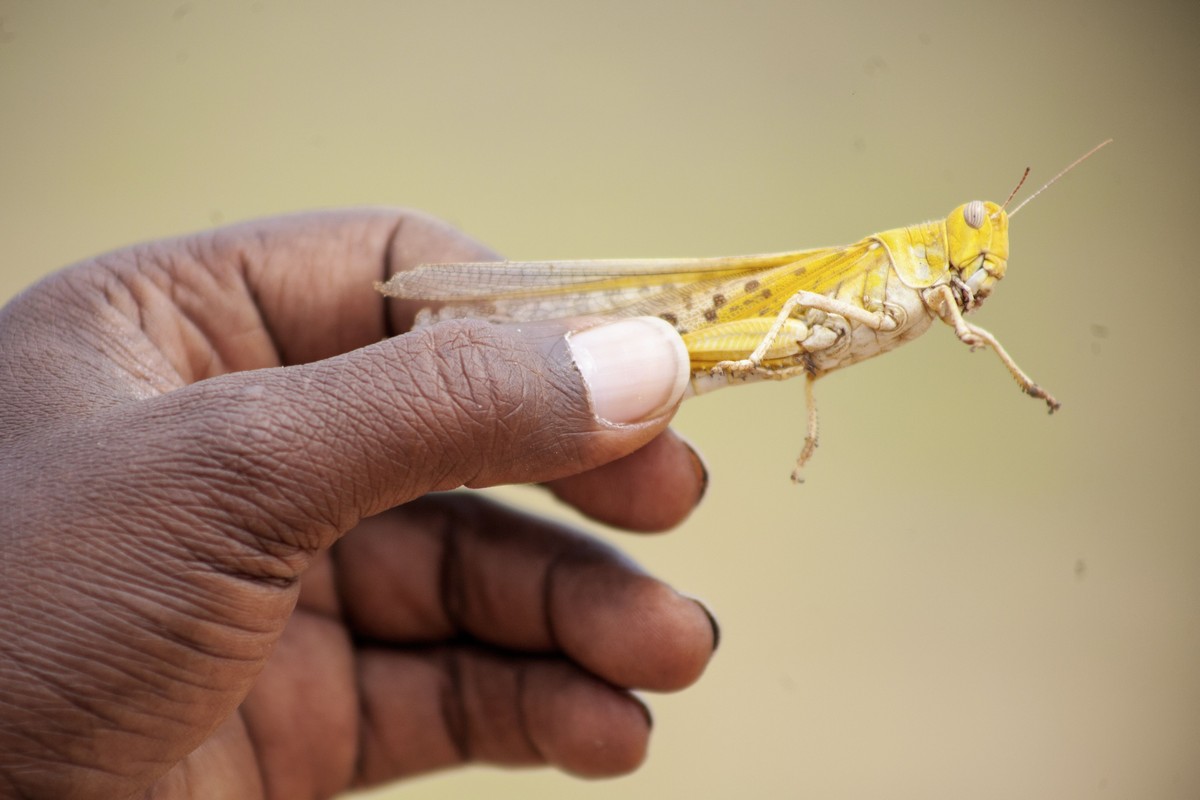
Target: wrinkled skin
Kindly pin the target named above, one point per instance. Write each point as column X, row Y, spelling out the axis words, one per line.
column 220, row 576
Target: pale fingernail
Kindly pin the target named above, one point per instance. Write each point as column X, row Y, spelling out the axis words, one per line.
column 634, row 369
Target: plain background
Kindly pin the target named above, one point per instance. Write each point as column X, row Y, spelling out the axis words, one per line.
column 968, row 598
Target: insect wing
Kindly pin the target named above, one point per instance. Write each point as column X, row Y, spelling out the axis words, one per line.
column 509, row 291
column 692, row 293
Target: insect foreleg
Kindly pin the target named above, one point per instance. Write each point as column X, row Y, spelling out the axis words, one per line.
column 941, row 299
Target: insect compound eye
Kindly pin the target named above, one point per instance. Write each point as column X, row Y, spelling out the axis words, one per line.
column 974, row 213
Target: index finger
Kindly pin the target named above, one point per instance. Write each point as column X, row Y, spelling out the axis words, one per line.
column 311, row 275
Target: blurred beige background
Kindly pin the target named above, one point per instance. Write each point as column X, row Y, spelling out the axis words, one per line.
column 968, row 598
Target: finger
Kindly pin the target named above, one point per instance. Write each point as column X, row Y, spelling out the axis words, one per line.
column 390, row 713
column 653, row 488
column 151, row 318
column 428, row 710
column 226, row 764
column 458, row 566
column 310, row 276
column 303, row 716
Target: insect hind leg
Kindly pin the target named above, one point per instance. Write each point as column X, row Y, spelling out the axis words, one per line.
column 810, row 432
column 876, row 320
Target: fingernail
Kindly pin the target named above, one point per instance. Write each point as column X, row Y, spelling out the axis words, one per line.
column 712, row 621
column 637, row 698
column 634, row 369
column 698, row 462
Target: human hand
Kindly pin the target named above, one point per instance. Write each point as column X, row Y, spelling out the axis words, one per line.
column 220, row 577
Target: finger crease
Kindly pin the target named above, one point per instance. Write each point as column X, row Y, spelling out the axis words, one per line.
column 366, row 728
column 548, row 601
column 255, row 739
column 343, row 612
column 389, row 324
column 453, row 705
column 365, row 722
column 522, row 717
column 450, row 589
column 246, row 270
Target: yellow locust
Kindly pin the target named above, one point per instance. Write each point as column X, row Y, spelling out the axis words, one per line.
column 760, row 317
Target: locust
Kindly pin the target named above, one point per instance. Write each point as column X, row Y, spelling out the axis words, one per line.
column 773, row 316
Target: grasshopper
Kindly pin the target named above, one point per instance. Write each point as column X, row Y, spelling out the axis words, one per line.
column 762, row 317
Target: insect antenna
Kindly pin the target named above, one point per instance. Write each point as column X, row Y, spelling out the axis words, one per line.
column 1046, row 186
column 1016, row 189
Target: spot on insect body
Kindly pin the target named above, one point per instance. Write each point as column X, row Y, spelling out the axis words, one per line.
column 765, row 294
column 710, row 314
column 719, row 300
column 669, row 318
column 752, row 286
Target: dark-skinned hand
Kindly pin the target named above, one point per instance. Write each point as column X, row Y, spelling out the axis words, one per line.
column 222, row 573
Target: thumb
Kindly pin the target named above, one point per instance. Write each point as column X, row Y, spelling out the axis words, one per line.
column 321, row 445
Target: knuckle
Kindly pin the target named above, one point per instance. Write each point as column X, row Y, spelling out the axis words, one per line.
column 470, row 382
